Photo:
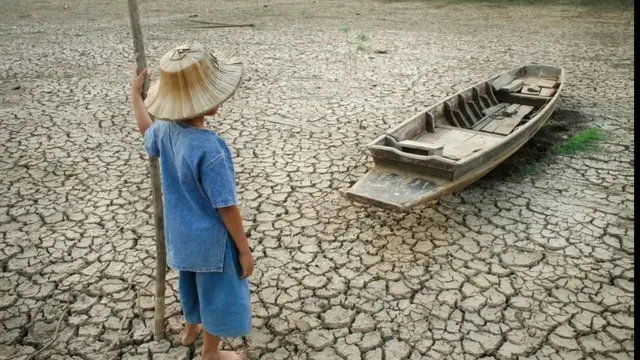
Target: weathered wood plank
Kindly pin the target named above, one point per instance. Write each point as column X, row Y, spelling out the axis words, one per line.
column 433, row 137
column 430, row 123
column 413, row 127
column 522, row 99
column 454, row 116
column 513, row 86
column 448, row 111
column 493, row 109
column 540, row 82
column 511, row 122
column 490, row 95
column 390, row 188
column 475, row 109
column 494, row 124
column 474, row 132
column 481, row 101
column 530, row 90
column 490, row 114
column 482, row 123
column 458, row 151
column 445, row 136
column 546, row 92
column 511, row 109
column 502, row 80
column 461, row 151
column 429, row 149
column 469, row 117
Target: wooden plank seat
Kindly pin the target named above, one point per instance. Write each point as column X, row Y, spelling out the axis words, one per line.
column 513, row 86
column 458, row 143
column 504, row 124
column 528, row 85
column 420, row 148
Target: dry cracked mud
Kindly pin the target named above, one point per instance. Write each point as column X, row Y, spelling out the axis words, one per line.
column 540, row 267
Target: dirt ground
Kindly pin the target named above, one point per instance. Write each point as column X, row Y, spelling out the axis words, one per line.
column 534, row 267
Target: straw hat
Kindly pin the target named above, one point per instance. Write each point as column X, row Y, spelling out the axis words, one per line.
column 192, row 82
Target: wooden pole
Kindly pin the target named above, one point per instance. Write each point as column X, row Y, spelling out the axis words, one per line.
column 156, row 185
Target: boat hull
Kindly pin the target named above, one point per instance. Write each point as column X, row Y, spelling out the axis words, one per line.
column 401, row 185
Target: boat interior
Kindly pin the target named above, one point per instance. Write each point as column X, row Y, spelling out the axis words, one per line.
column 474, row 119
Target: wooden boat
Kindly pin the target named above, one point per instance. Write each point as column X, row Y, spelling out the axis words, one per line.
column 453, row 143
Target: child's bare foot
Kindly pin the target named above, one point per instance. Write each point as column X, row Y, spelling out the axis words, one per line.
column 225, row 355
column 190, row 334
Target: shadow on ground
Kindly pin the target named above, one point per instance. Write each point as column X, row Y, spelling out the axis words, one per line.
column 561, row 126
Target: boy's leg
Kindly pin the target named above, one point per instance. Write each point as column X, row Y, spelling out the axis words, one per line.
column 188, row 290
column 225, row 307
column 211, row 350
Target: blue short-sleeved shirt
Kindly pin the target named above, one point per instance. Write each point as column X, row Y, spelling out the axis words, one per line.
column 197, row 178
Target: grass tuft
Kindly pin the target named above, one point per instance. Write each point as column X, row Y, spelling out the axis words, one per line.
column 532, row 169
column 583, row 141
column 362, row 40
column 362, row 37
column 363, row 47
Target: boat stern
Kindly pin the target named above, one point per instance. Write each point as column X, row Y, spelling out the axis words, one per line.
column 392, row 189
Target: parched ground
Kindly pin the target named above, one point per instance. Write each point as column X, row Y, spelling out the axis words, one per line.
column 539, row 267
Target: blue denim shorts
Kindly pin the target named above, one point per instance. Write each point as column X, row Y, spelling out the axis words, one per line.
column 220, row 301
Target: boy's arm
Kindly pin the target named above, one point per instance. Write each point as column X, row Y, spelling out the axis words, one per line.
column 218, row 180
column 233, row 222
column 142, row 116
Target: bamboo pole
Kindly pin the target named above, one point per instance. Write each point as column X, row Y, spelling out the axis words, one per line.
column 156, row 185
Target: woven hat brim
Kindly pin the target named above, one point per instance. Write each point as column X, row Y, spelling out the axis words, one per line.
column 172, row 106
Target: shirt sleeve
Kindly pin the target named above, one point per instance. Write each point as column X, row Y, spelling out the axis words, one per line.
column 218, row 179
column 151, row 142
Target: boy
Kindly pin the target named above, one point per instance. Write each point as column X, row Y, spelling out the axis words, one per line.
column 205, row 238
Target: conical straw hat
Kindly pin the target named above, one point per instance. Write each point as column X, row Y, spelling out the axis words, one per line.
column 192, row 82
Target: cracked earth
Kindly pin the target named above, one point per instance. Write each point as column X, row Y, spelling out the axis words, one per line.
column 540, row 267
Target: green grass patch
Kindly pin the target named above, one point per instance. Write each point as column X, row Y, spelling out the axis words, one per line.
column 583, row 141
column 567, row 133
column 363, row 47
column 362, row 41
column 532, row 169
column 362, row 37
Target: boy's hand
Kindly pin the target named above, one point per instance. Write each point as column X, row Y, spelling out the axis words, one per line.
column 142, row 116
column 137, row 81
column 246, row 262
